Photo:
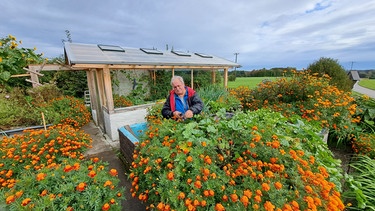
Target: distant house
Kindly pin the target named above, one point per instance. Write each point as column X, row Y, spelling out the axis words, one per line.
column 354, row 76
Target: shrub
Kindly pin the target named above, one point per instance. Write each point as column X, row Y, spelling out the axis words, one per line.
column 331, row 67
column 258, row 160
column 308, row 96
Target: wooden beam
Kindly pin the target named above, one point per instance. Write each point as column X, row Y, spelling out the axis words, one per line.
column 33, row 82
column 20, row 75
column 33, row 71
column 49, row 67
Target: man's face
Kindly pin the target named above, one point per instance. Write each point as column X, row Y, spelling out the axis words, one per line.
column 178, row 87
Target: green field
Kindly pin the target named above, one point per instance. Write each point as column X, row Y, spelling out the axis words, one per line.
column 251, row 82
column 368, row 83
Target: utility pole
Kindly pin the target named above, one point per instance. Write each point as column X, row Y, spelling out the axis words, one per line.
column 235, row 59
column 351, row 67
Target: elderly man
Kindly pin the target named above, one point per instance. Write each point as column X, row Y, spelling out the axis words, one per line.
column 183, row 102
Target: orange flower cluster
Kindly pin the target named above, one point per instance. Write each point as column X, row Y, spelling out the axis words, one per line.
column 38, row 149
column 72, row 184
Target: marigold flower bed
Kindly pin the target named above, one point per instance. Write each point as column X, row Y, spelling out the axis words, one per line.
column 258, row 161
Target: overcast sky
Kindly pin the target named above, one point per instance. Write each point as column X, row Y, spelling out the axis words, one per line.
column 265, row 33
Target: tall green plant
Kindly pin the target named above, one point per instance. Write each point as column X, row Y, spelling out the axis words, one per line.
column 361, row 188
column 12, row 61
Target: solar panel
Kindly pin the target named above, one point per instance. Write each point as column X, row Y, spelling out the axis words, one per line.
column 181, row 53
column 111, row 48
column 151, row 51
column 203, row 55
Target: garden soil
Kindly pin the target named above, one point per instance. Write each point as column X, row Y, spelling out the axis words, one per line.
column 106, row 150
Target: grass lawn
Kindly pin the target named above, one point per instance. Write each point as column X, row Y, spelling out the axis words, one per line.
column 251, row 82
column 368, row 83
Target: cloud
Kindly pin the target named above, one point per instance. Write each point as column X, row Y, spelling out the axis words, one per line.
column 264, row 33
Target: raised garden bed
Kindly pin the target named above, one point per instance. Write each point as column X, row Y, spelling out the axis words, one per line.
column 129, row 135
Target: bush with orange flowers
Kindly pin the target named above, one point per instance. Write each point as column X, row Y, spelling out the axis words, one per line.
column 65, row 186
column 307, row 95
column 37, row 149
column 259, row 160
column 65, row 110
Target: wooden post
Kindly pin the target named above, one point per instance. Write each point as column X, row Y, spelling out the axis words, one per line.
column 192, row 78
column 172, row 72
column 108, row 90
column 213, row 76
column 225, row 77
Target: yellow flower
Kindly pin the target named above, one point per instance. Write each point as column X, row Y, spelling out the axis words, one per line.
column 1, row 59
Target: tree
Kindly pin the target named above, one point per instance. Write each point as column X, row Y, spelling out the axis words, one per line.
column 331, row 67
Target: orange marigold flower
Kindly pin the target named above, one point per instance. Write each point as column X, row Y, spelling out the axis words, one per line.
column 92, row 174
column 308, row 189
column 257, row 198
column 269, row 206
column 219, row 207
column 10, row 199
column 198, row 184
column 245, row 200
column 113, row 172
column 43, row 193
column 207, row 159
column 68, row 168
column 95, row 160
column 265, row 187
column 41, row 176
column 106, row 207
column 25, row 201
column 278, row 185
column 181, row 195
column 234, row 197
column 170, row 176
column 189, row 159
column 107, row 183
column 81, row 186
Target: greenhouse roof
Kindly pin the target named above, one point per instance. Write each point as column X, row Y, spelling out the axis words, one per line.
column 78, row 54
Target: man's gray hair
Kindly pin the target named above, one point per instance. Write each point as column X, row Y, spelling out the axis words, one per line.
column 176, row 77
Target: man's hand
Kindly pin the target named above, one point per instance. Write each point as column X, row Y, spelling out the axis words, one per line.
column 177, row 115
column 189, row 114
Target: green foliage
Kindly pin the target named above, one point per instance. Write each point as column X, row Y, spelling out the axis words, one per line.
column 216, row 97
column 332, row 68
column 72, row 83
column 360, row 184
column 12, row 61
